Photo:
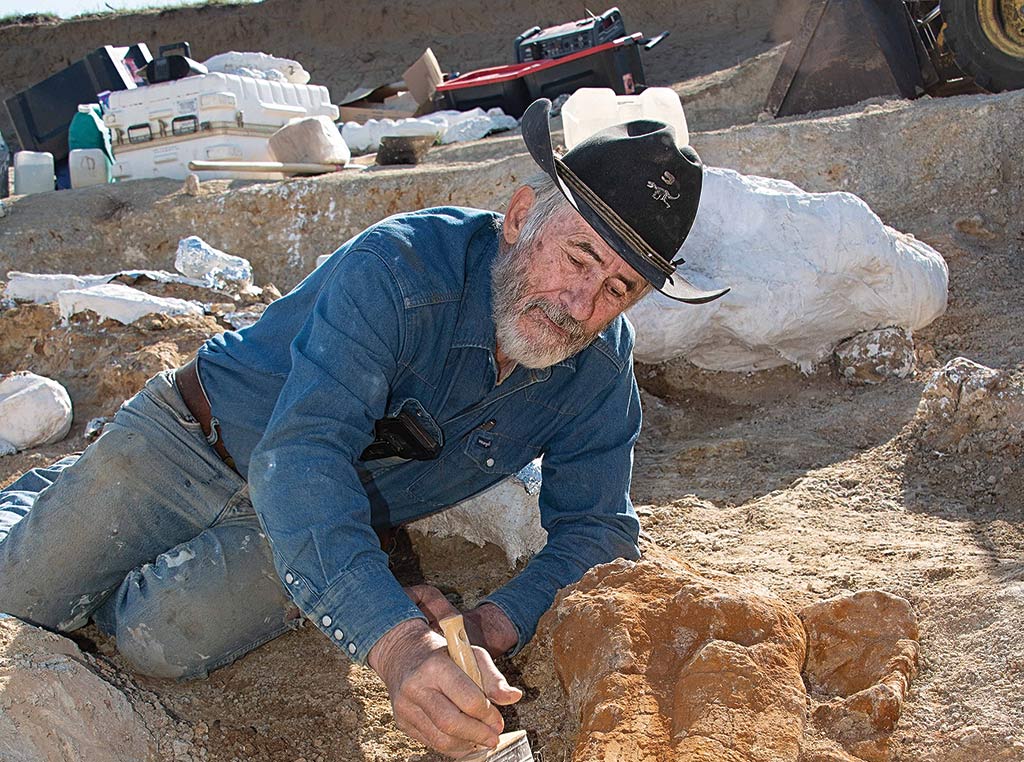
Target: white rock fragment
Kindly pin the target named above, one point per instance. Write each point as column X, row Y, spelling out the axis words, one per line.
column 806, row 271
column 43, row 288
column 449, row 127
column 34, row 411
column 310, row 140
column 216, row 269
column 874, row 356
column 121, row 303
column 259, row 66
column 191, row 185
column 244, row 318
column 506, row 515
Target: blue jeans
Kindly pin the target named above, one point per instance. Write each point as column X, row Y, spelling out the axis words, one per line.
column 149, row 534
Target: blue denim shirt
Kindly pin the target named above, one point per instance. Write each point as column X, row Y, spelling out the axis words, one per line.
column 401, row 315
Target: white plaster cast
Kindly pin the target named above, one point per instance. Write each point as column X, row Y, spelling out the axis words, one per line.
column 34, row 411
column 121, row 303
column 806, row 271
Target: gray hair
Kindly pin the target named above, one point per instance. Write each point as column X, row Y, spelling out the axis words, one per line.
column 548, row 203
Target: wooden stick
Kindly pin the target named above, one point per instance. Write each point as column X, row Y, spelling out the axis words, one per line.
column 454, row 629
column 263, row 166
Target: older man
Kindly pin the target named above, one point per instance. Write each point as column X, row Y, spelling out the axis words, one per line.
column 430, row 357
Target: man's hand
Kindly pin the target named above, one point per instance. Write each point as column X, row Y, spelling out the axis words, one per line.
column 486, row 625
column 433, row 700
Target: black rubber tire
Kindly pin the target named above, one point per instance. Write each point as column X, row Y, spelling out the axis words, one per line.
column 992, row 68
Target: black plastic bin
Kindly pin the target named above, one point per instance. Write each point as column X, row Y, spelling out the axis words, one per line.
column 42, row 113
column 513, row 87
column 498, row 86
column 615, row 64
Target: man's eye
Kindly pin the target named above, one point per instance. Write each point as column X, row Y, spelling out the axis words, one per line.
column 617, row 292
column 576, row 262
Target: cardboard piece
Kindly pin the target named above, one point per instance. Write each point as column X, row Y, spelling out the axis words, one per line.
column 366, row 103
column 414, row 96
column 423, row 77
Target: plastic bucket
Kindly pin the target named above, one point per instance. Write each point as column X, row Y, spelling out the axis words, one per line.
column 33, row 172
column 89, row 166
column 591, row 109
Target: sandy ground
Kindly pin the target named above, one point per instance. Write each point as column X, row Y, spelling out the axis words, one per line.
column 802, row 484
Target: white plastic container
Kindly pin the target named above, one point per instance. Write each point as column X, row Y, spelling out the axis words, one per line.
column 158, row 129
column 88, row 167
column 170, row 158
column 33, row 172
column 591, row 109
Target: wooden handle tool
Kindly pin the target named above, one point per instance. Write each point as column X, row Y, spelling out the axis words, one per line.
column 512, row 747
column 454, row 629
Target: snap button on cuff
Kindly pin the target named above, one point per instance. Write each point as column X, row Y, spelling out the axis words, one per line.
column 351, row 648
column 289, row 578
column 489, row 462
column 326, row 621
column 338, row 634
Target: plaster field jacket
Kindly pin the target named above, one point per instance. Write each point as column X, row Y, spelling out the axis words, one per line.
column 401, row 316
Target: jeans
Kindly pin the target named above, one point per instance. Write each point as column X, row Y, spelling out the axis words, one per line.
column 152, row 536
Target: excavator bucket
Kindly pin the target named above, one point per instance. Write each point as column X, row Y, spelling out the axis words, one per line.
column 846, row 51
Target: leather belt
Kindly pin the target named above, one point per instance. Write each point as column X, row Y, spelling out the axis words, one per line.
column 186, row 379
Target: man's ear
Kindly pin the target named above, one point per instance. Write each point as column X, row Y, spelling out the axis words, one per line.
column 518, row 209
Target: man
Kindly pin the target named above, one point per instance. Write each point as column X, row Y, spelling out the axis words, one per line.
column 430, row 357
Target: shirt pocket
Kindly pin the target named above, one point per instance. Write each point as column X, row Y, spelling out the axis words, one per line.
column 480, row 460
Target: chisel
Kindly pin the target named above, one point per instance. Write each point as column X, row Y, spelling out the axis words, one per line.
column 512, row 747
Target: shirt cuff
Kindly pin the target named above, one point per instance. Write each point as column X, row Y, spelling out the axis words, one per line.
column 360, row 607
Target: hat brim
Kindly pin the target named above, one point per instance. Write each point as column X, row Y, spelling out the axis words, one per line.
column 537, row 137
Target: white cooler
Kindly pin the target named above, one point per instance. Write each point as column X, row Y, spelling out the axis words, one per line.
column 158, row 129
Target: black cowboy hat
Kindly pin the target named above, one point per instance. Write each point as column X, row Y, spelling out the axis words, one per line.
column 634, row 187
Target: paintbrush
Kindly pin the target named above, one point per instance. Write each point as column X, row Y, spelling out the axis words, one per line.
column 512, row 747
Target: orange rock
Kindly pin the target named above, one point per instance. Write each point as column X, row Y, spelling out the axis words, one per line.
column 862, row 653
column 660, row 663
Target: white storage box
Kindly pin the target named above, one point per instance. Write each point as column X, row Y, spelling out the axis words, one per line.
column 158, row 129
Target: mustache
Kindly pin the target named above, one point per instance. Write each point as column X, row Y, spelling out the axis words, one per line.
column 559, row 316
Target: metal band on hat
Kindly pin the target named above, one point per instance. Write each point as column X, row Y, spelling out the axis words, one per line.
column 612, row 219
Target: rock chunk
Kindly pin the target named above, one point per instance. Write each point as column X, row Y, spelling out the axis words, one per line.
column 875, row 356
column 659, row 663
column 54, row 706
column 650, row 660
column 122, row 303
column 806, row 270
column 968, row 406
column 506, row 515
column 862, row 654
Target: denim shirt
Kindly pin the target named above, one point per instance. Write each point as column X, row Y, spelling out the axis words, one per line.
column 401, row 315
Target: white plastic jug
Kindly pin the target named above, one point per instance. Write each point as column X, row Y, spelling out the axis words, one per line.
column 88, row 166
column 591, row 109
column 33, row 172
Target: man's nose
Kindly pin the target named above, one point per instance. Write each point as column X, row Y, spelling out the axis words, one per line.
column 579, row 298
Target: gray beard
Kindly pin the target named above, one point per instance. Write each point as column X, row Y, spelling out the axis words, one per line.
column 509, row 285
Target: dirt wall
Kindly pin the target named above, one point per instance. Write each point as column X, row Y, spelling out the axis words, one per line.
column 352, row 44
column 919, row 186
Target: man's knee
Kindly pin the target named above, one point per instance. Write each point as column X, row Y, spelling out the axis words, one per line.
column 152, row 651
